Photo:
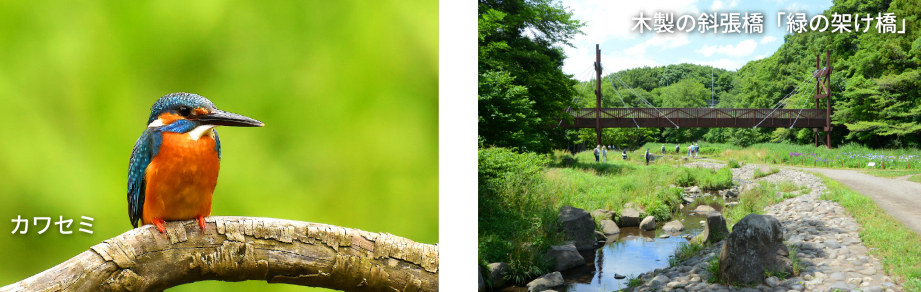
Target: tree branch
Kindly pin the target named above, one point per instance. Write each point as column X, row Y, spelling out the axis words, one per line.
column 245, row 248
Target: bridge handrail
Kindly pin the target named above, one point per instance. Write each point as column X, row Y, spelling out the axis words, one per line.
column 690, row 113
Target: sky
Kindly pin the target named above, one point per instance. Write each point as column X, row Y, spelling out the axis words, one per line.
column 610, row 24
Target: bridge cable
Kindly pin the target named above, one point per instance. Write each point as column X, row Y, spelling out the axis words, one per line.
column 803, row 106
column 578, row 97
column 646, row 101
column 641, row 97
column 624, row 103
column 780, row 102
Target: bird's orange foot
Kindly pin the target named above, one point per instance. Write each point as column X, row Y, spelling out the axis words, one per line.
column 201, row 222
column 159, row 224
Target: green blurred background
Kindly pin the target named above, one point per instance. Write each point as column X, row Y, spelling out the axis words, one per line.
column 348, row 91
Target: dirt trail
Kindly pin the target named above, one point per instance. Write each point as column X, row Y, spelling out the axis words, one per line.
column 898, row 197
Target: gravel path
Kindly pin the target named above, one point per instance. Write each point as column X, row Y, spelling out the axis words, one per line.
column 898, row 197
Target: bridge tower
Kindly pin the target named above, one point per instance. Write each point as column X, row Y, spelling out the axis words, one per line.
column 823, row 91
column 597, row 95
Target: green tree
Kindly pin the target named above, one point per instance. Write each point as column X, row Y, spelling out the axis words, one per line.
column 685, row 94
column 520, row 67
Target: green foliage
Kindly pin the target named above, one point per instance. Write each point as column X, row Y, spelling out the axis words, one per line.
column 521, row 222
column 661, row 204
column 713, row 269
column 754, row 200
column 848, row 156
column 523, row 268
column 503, row 105
column 704, row 178
column 685, row 251
column 797, row 264
column 779, row 274
column 717, row 180
column 733, row 164
column 684, row 178
column 758, row 174
column 522, row 88
column 634, row 281
column 687, row 93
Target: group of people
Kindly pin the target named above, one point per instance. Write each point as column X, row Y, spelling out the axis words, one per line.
column 693, row 150
column 601, row 152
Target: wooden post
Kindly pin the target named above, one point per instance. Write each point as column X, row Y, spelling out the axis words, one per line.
column 598, row 94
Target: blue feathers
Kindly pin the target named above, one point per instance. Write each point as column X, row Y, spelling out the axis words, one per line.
column 174, row 100
column 145, row 149
column 140, row 158
column 148, row 145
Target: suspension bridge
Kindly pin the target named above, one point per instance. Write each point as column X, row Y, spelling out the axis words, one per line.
column 818, row 119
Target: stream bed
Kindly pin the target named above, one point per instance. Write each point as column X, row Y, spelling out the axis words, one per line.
column 633, row 252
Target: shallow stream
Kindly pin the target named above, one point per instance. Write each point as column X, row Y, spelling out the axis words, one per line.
column 633, row 252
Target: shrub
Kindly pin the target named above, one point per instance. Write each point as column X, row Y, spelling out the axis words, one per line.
column 734, row 164
column 684, row 178
column 522, row 222
column 758, row 174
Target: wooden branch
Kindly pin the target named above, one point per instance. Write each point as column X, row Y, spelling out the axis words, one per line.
column 245, row 248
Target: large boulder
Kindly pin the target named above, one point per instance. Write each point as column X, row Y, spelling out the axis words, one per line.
column 579, row 225
column 714, row 229
column 629, row 217
column 673, row 226
column 608, row 227
column 649, row 223
column 546, row 282
column 602, row 214
column 497, row 273
column 754, row 247
column 565, row 256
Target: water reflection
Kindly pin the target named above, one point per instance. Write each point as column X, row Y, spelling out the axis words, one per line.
column 633, row 252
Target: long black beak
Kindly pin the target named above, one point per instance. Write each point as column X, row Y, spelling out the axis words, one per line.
column 222, row 118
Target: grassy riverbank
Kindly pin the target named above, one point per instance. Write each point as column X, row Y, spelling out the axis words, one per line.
column 843, row 156
column 520, row 196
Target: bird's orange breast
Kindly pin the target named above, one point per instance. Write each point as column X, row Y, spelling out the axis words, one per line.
column 180, row 179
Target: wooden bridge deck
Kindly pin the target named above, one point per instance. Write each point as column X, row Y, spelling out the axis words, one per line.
column 696, row 118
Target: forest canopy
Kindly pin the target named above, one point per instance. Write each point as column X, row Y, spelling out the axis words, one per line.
column 876, row 82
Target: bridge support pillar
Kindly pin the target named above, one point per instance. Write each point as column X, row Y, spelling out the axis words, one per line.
column 823, row 89
column 597, row 95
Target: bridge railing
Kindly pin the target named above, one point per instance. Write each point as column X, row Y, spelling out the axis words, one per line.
column 698, row 113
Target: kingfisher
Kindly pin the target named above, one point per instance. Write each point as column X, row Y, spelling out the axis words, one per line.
column 174, row 164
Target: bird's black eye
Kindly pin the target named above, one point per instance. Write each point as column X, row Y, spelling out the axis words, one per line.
column 185, row 111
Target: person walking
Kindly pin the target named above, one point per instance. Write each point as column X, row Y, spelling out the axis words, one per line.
column 696, row 150
column 663, row 149
column 677, row 149
column 625, row 153
column 647, row 156
column 597, row 152
column 604, row 154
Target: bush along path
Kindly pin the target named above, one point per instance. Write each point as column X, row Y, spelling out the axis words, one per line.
column 822, row 238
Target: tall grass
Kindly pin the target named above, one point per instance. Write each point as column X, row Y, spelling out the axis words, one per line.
column 517, row 221
column 755, row 199
column 846, row 156
column 520, row 196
